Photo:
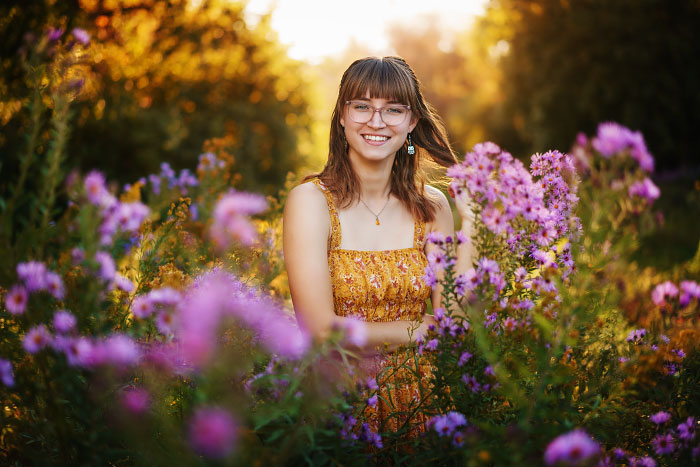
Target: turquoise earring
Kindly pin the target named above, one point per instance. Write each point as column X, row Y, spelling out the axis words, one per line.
column 411, row 148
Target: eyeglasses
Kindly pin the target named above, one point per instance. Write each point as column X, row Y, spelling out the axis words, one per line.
column 362, row 112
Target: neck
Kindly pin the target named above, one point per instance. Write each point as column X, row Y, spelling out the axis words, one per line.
column 375, row 178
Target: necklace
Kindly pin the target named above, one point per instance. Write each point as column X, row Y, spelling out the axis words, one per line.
column 375, row 214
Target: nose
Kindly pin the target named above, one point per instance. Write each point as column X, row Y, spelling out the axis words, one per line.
column 376, row 120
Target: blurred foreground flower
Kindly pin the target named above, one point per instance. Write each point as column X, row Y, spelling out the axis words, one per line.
column 231, row 218
column 213, row 432
column 573, row 448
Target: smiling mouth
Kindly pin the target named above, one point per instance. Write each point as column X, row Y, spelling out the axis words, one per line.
column 375, row 138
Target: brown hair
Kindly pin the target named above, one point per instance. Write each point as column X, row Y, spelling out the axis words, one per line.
column 389, row 78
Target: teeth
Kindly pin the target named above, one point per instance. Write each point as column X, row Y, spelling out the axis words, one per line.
column 376, row 138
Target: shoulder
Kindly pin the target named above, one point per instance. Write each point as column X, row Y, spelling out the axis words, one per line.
column 437, row 196
column 443, row 214
column 308, row 202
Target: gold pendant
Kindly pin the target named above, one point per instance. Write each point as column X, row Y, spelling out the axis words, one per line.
column 377, row 221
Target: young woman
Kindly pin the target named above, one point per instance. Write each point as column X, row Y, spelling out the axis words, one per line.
column 355, row 234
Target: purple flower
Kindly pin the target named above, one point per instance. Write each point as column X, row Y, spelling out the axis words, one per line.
column 63, row 321
column 16, row 300
column 213, row 432
column 689, row 290
column 660, row 417
column 686, row 430
column 463, row 358
column 435, row 237
column 165, row 321
column 355, row 331
column 36, row 339
column 636, row 336
column 372, row 384
column 445, row 425
column 571, row 448
column 437, row 260
column 78, row 350
column 107, row 269
column 95, row 188
column 372, row 401
column 471, row 383
column 142, row 307
column 81, row 35
column 54, row 284
column 663, row 444
column 230, row 218
column 123, row 283
column 613, row 138
column 432, row 344
column 6, row 374
column 54, row 34
column 33, row 274
column 643, row 462
column 644, row 189
column 77, row 255
column 118, row 350
column 663, row 291
column 135, row 400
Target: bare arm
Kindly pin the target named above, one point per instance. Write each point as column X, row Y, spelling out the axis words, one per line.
column 306, row 229
column 444, row 223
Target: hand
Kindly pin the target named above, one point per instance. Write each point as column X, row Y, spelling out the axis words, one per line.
column 463, row 202
column 422, row 330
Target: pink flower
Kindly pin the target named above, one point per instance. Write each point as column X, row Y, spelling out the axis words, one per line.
column 36, row 339
column 81, row 35
column 644, row 189
column 135, row 400
column 572, row 448
column 213, row 432
column 663, row 291
column 63, row 321
column 355, row 331
column 16, row 300
column 6, row 374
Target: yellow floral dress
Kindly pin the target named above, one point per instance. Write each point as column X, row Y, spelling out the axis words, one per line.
column 381, row 286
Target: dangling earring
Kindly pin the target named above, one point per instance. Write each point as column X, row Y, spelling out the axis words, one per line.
column 411, row 148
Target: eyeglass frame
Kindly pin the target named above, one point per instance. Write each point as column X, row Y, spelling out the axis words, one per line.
column 379, row 109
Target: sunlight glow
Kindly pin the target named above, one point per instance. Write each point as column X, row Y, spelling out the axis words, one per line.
column 314, row 29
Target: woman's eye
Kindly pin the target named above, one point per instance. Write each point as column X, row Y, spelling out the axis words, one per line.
column 361, row 107
column 395, row 110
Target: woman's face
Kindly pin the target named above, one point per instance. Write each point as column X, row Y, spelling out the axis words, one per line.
column 375, row 140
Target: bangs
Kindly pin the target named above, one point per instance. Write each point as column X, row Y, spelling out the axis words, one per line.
column 383, row 78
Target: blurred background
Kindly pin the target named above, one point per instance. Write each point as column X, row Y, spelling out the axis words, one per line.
column 258, row 79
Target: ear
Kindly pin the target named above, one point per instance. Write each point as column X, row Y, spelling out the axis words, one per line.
column 342, row 122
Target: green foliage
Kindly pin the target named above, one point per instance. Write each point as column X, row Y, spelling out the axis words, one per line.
column 573, row 64
column 167, row 76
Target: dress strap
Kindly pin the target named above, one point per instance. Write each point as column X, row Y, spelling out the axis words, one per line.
column 419, row 234
column 334, row 240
